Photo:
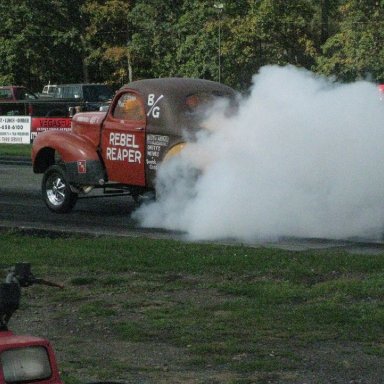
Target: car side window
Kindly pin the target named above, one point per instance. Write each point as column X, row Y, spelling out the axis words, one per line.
column 76, row 92
column 71, row 92
column 129, row 107
column 5, row 94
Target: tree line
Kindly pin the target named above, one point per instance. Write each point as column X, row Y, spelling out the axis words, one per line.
column 116, row 41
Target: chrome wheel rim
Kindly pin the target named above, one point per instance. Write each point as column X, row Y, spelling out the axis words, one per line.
column 56, row 189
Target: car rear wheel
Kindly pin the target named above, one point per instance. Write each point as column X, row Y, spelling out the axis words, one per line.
column 56, row 190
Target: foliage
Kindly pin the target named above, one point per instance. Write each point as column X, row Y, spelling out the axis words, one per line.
column 271, row 32
column 356, row 51
column 117, row 41
column 34, row 38
column 106, row 40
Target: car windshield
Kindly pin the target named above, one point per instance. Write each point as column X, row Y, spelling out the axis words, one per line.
column 25, row 364
column 49, row 89
column 5, row 94
column 24, row 94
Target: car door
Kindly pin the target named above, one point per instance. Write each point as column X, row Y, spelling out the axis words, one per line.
column 123, row 139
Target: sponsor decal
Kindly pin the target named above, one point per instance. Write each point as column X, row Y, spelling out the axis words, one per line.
column 154, row 109
column 123, row 147
column 82, row 118
column 82, row 166
column 155, row 146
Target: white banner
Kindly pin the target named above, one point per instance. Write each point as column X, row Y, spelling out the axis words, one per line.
column 15, row 129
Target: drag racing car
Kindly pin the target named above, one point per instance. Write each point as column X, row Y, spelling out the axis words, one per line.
column 120, row 150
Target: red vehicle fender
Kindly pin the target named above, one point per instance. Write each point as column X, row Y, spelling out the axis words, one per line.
column 79, row 155
column 71, row 148
column 9, row 341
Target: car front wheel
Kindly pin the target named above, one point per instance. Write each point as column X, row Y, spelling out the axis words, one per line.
column 56, row 191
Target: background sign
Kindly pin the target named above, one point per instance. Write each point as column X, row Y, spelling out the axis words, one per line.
column 15, row 129
column 41, row 124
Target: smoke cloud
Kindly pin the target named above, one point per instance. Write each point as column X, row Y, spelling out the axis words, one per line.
column 302, row 157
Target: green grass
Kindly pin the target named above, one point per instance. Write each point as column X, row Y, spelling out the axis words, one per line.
column 15, row 150
column 96, row 308
column 247, row 309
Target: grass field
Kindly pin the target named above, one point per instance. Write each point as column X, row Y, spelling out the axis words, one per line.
column 159, row 311
column 15, row 150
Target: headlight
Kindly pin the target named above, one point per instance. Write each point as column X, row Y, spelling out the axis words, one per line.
column 21, row 364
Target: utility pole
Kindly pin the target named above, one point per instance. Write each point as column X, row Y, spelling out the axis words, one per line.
column 129, row 61
column 219, row 7
column 324, row 20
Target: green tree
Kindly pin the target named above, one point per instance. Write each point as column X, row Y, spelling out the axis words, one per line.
column 356, row 51
column 270, row 32
column 175, row 38
column 155, row 37
column 106, row 41
column 197, row 53
column 116, row 41
column 38, row 42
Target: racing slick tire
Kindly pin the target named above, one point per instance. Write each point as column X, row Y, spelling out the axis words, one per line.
column 56, row 190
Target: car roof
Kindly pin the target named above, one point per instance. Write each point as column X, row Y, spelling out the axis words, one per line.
column 80, row 84
column 169, row 96
column 11, row 86
column 177, row 86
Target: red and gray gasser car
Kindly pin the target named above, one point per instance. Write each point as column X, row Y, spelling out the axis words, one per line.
column 120, row 150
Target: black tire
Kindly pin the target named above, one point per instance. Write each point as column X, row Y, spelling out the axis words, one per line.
column 56, row 191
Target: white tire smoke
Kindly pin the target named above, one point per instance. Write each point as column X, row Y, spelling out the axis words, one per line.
column 302, row 157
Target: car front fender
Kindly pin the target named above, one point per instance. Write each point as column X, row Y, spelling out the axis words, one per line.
column 75, row 153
